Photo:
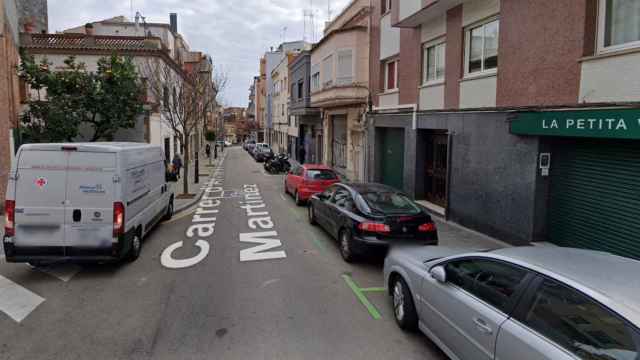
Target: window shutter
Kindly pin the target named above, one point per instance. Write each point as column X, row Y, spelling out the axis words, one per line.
column 327, row 71
column 344, row 68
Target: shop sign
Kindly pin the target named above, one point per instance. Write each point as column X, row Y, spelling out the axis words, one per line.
column 618, row 123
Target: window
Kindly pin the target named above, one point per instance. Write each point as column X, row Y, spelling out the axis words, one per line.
column 491, row 281
column 619, row 24
column 327, row 71
column 342, row 198
column 321, row 174
column 315, row 77
column 165, row 98
column 579, row 324
column 389, row 203
column 482, row 48
column 386, row 6
column 300, row 90
column 391, row 75
column 344, row 67
column 433, row 62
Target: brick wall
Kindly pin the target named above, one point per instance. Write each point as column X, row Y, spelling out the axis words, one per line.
column 540, row 45
column 9, row 104
column 454, row 52
column 409, row 71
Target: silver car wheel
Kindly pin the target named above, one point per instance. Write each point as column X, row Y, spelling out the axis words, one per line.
column 398, row 301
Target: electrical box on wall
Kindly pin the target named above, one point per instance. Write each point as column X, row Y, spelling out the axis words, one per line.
column 545, row 163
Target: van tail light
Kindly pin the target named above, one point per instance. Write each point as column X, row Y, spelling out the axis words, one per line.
column 118, row 219
column 374, row 227
column 10, row 218
column 428, row 227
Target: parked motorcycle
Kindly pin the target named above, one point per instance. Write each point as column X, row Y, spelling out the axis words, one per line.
column 278, row 164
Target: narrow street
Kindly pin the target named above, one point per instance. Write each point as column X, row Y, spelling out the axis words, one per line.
column 299, row 304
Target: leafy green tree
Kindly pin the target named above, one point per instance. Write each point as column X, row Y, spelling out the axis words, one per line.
column 107, row 100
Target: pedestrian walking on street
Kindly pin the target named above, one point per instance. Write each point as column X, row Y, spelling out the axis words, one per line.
column 177, row 164
column 207, row 150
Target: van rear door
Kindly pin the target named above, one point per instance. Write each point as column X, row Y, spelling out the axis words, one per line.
column 40, row 203
column 90, row 196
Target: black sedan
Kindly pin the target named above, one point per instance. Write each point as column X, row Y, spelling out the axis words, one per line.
column 364, row 216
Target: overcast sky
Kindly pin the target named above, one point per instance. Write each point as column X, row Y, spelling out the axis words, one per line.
column 235, row 32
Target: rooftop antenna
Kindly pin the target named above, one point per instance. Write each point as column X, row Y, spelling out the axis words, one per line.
column 284, row 34
column 328, row 10
column 131, row 3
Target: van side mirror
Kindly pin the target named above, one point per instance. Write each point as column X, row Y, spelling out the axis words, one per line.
column 439, row 274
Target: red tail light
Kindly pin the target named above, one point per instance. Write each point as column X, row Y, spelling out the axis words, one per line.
column 374, row 227
column 118, row 219
column 10, row 218
column 428, row 227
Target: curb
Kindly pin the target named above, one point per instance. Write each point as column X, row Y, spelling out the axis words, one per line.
column 196, row 199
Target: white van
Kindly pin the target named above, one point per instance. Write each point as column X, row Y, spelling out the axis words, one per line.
column 84, row 201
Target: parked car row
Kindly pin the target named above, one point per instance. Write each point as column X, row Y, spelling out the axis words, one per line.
column 529, row 303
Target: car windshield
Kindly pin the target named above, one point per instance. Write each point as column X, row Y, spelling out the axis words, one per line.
column 321, row 174
column 390, row 203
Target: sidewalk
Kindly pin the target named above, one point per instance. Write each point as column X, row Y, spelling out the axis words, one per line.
column 205, row 171
column 453, row 235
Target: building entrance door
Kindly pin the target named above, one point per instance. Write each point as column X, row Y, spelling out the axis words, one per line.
column 436, row 169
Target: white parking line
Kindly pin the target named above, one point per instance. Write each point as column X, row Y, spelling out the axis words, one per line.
column 63, row 272
column 16, row 301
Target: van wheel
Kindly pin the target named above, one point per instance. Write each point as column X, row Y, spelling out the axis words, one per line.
column 169, row 213
column 136, row 248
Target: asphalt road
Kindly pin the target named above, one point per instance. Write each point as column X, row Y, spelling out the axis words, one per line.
column 296, row 305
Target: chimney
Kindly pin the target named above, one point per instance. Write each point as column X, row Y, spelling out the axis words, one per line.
column 88, row 29
column 173, row 22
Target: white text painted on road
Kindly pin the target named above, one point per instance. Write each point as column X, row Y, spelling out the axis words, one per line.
column 204, row 224
column 16, row 301
column 259, row 219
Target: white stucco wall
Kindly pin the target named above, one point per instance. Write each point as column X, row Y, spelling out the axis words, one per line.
column 611, row 79
column 476, row 10
column 408, row 7
column 434, row 29
column 389, row 38
column 389, row 99
column 478, row 92
column 432, row 97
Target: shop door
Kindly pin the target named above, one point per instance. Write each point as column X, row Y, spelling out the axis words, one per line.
column 436, row 169
column 595, row 195
column 392, row 157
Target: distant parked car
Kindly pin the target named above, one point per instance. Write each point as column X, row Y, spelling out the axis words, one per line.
column 262, row 152
column 227, row 143
column 304, row 181
column 250, row 146
column 364, row 216
column 526, row 303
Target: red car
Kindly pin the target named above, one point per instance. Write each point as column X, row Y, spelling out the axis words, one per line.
column 304, row 181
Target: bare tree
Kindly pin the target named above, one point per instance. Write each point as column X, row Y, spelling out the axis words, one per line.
column 183, row 98
column 219, row 84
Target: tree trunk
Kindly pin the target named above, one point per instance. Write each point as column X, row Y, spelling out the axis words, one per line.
column 185, row 177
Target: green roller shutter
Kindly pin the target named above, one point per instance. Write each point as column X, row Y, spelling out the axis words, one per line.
column 595, row 195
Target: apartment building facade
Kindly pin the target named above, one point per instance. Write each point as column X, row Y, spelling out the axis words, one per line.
column 308, row 119
column 340, row 88
column 516, row 118
column 146, row 43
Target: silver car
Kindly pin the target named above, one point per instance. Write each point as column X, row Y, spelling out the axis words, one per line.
column 526, row 303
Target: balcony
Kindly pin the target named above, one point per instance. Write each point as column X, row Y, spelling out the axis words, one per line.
column 340, row 96
column 412, row 13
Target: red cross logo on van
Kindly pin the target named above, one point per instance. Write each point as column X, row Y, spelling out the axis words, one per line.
column 41, row 182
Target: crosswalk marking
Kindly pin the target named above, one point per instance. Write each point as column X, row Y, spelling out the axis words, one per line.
column 16, row 301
